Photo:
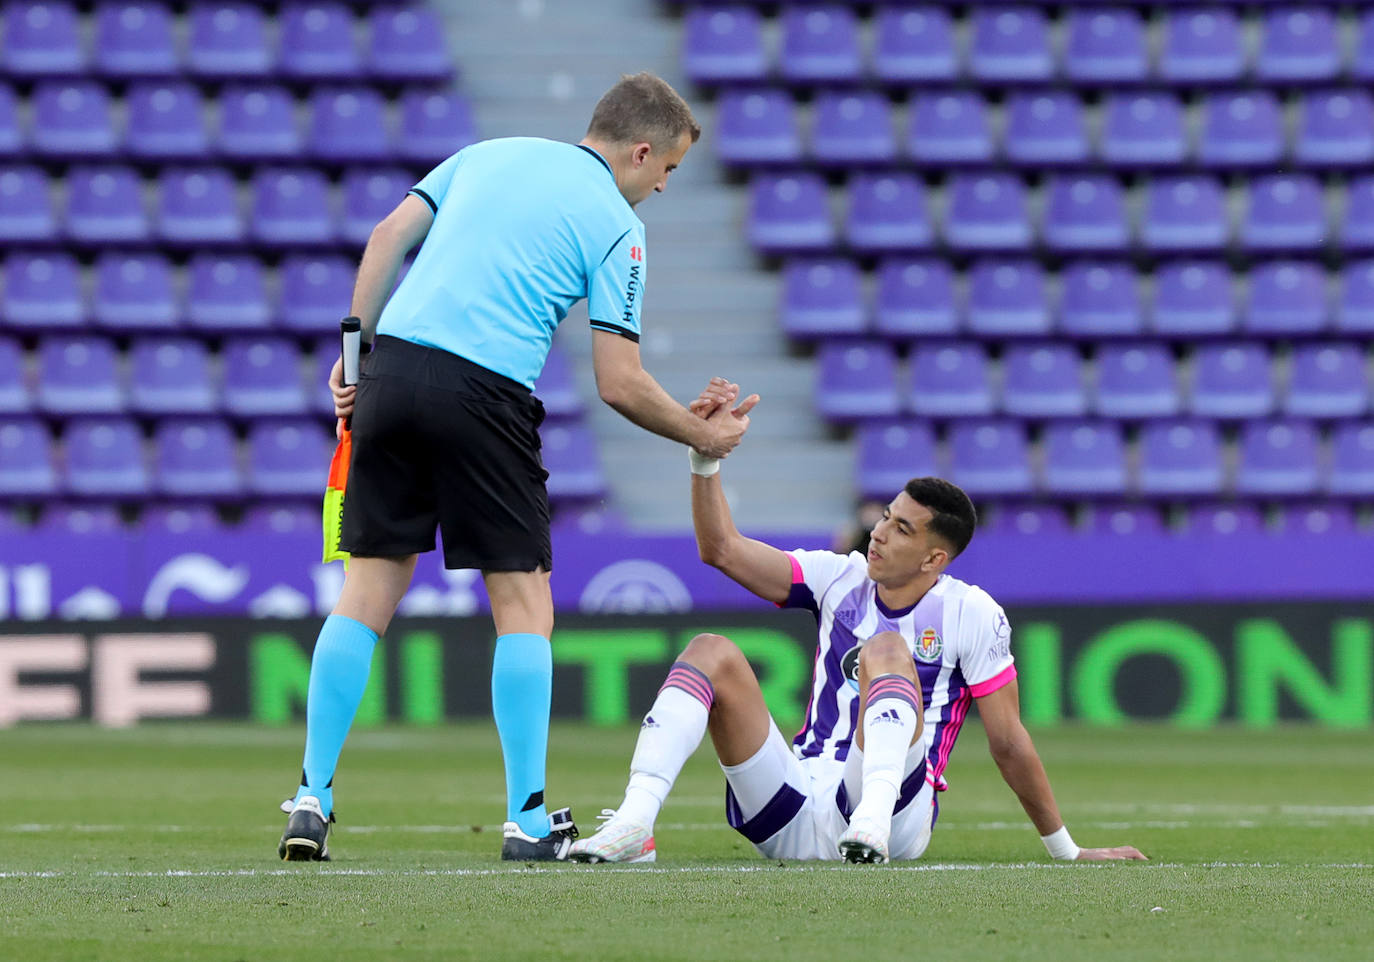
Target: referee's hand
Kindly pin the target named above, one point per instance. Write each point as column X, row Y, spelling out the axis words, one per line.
column 343, row 396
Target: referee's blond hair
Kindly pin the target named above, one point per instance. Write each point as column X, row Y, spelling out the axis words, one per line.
column 642, row 108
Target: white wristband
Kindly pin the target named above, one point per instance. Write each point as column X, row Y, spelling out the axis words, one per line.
column 1060, row 844
column 702, row 465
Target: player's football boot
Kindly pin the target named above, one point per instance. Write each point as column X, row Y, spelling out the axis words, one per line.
column 516, row 846
column 865, row 841
column 617, row 840
column 306, row 838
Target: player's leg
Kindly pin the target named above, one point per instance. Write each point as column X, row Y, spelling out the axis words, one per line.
column 710, row 686
column 890, row 713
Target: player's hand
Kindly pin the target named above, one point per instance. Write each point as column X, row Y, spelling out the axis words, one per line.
column 717, row 393
column 728, row 426
column 1120, row 853
column 343, row 396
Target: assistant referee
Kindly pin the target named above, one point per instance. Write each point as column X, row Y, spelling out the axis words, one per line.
column 445, row 427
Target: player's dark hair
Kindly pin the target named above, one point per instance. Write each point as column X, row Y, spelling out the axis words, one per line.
column 643, row 108
column 952, row 514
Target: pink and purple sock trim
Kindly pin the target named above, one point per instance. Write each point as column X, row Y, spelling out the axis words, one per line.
column 894, row 686
column 693, row 681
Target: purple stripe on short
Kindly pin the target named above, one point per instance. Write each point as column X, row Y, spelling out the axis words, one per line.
column 771, row 819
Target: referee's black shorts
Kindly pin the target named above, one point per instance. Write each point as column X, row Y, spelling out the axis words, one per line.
column 441, row 442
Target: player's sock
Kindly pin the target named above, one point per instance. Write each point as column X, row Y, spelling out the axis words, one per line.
column 889, row 724
column 338, row 676
column 521, row 690
column 669, row 734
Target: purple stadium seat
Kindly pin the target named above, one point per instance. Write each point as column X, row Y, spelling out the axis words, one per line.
column 1357, row 224
column 915, row 298
column 27, row 467
column 165, row 122
column 1286, row 212
column 348, row 124
column 79, row 375
column 434, row 124
column 1180, row 458
column 291, row 206
column 1025, row 519
column 1193, row 299
column 318, row 41
column 1286, row 297
column 105, row 458
column 789, row 213
column 1202, row 45
column 1184, row 214
column 26, row 205
column 570, row 456
column 80, row 519
column 1327, row 381
column 368, row 196
column 133, row 292
column 1045, row 129
column 1277, row 458
column 1299, row 44
column 1362, row 63
column 1007, row 298
column 914, row 45
column 890, row 455
column 1143, row 129
column 950, row 380
column 279, row 519
column 1206, row 520
column 1335, row 128
column 986, row 212
column 1355, row 307
column 950, row 128
column 820, row 44
column 407, row 45
column 198, row 207
column 1043, row 381
column 105, row 206
column 822, row 298
column 134, row 39
column 72, row 119
column 1084, row 458
column 1352, row 460
column 888, row 213
column 724, row 45
column 1136, row 381
column 263, row 377
column 41, row 39
column 555, row 387
column 171, row 375
column 990, row 458
column 288, row 459
column 196, row 458
column 228, row 39
column 1241, row 130
column 1010, row 44
column 852, row 129
column 1100, row 300
column 191, row 520
column 757, row 127
column 42, row 292
column 1123, row 520
column 1231, row 381
column 1316, row 519
column 226, row 294
column 315, row 293
column 11, row 132
column 856, row 380
column 1085, row 213
column 1106, row 46
column 258, row 123
column 16, row 396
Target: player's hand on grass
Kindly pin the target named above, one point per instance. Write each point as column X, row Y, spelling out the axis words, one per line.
column 717, row 393
column 343, row 396
column 1120, row 853
column 728, row 426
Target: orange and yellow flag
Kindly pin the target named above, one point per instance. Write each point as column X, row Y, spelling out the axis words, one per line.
column 334, row 499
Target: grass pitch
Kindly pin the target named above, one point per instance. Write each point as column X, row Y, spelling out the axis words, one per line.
column 159, row 843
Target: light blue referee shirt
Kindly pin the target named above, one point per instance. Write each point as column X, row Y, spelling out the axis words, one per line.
column 523, row 229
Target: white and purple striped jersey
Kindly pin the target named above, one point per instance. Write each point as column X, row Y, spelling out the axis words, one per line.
column 959, row 638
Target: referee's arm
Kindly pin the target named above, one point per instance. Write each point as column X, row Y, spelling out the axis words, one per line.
column 387, row 247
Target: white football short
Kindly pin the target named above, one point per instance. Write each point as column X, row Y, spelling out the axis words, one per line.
column 794, row 808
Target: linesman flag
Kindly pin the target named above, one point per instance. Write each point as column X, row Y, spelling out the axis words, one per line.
column 350, row 338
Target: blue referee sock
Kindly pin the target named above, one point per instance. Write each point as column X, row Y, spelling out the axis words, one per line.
column 521, row 689
column 338, row 676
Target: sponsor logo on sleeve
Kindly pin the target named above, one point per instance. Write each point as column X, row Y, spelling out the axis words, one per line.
column 632, row 290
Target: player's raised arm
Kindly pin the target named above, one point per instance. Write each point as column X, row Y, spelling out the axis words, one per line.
column 1021, row 768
